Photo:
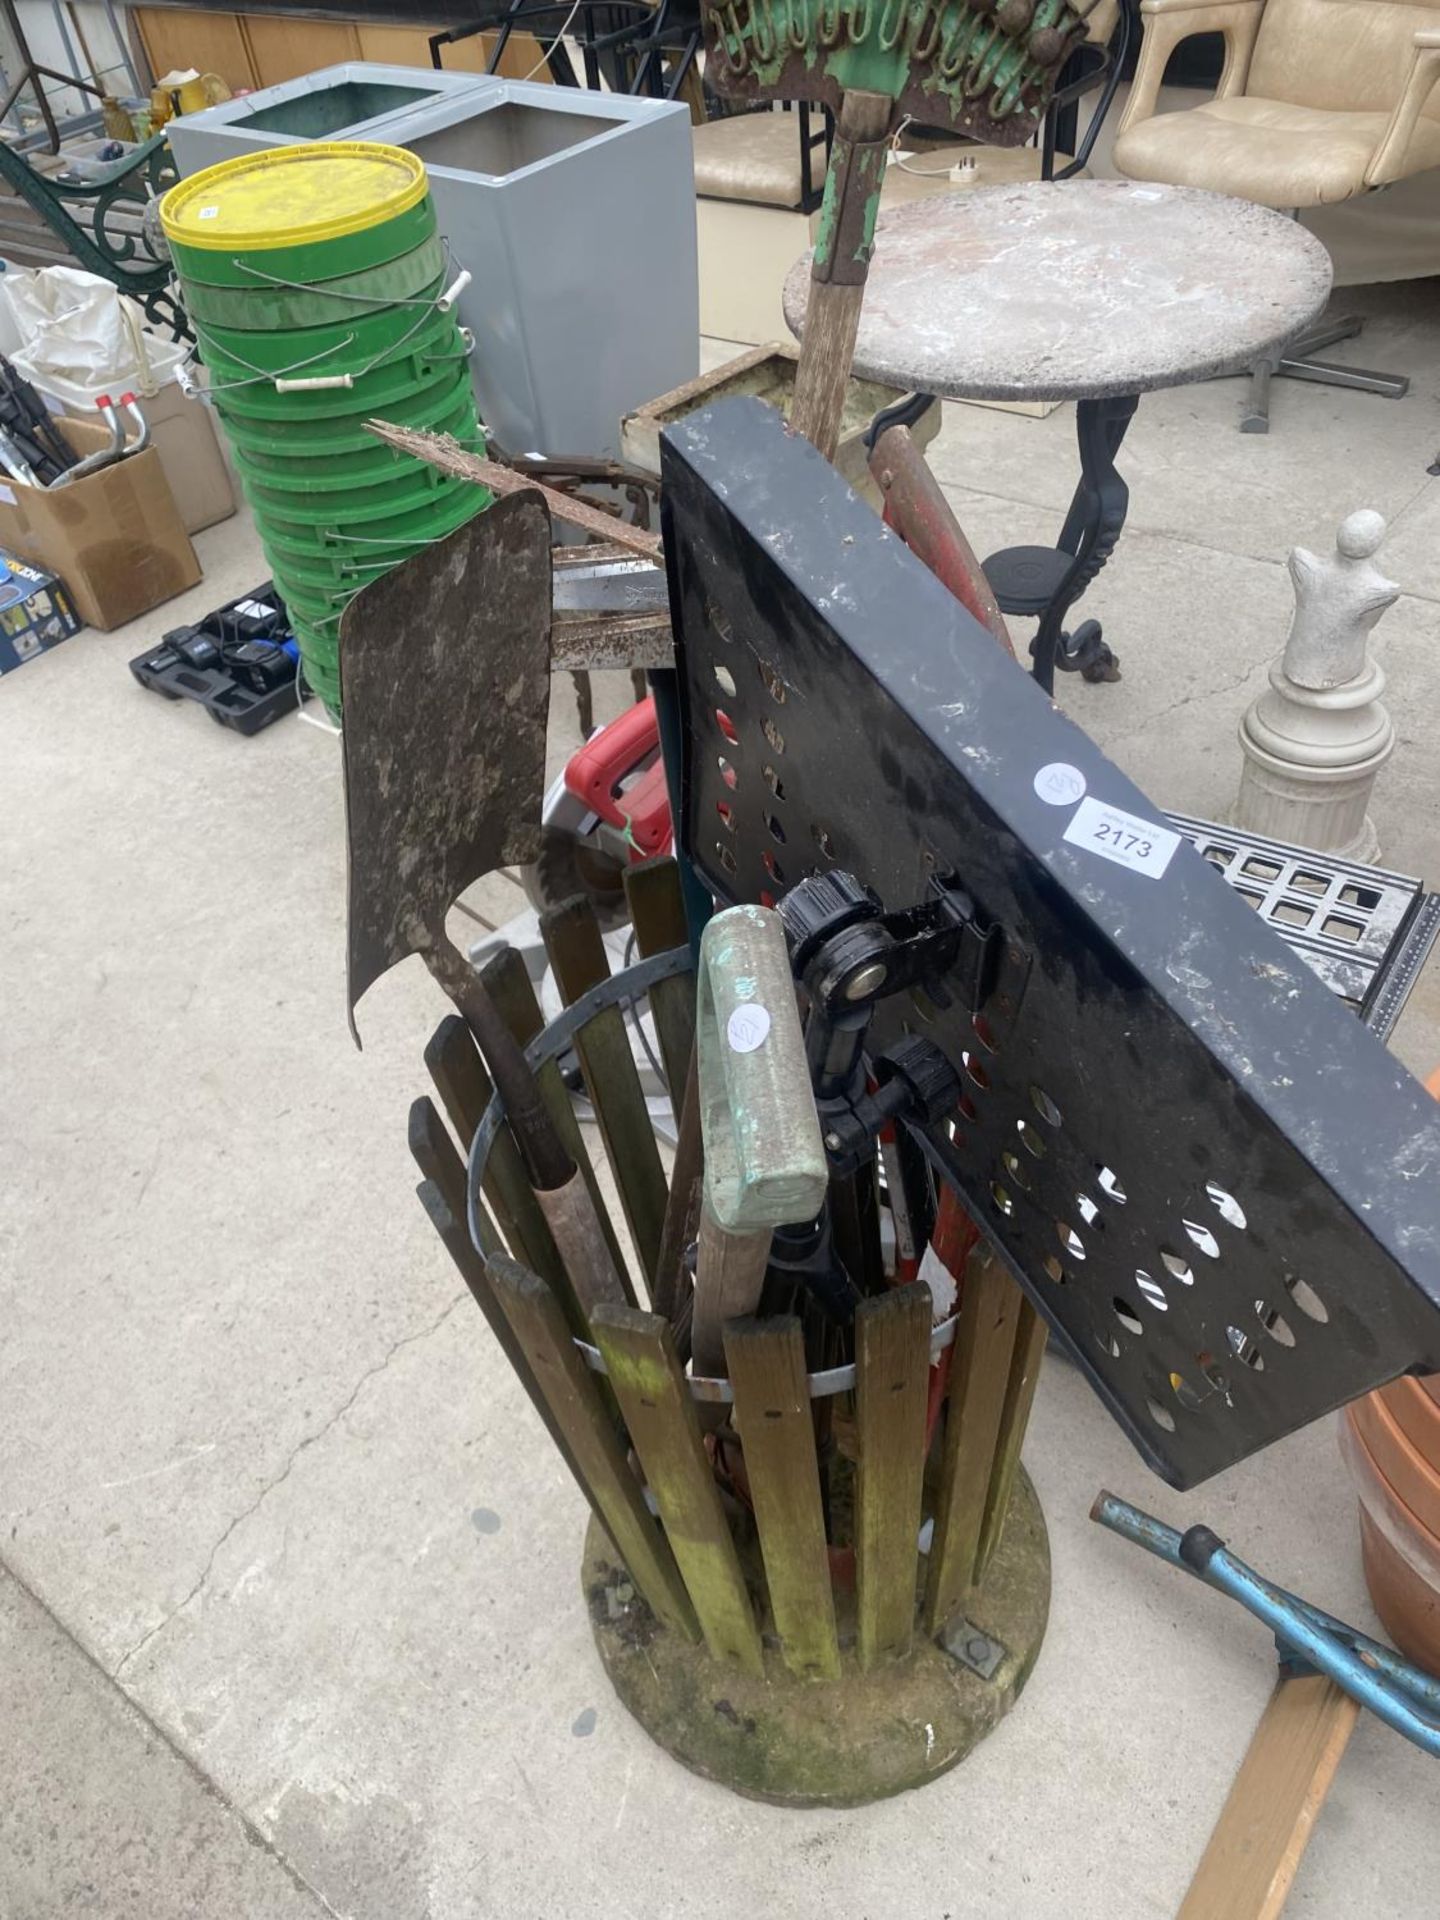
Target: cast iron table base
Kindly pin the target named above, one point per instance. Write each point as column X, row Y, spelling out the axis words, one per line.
column 1094, row 291
column 1046, row 582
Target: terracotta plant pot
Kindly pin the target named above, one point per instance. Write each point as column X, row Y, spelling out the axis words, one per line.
column 1391, row 1442
column 1414, row 1407
column 1405, row 1467
column 1401, row 1555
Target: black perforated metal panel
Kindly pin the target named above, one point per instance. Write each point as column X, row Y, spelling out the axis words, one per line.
column 1216, row 1185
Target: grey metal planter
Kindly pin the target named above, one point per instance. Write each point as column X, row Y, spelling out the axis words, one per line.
column 574, row 212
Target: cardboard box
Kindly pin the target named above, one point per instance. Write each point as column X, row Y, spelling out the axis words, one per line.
column 35, row 613
column 182, row 430
column 190, row 454
column 114, row 537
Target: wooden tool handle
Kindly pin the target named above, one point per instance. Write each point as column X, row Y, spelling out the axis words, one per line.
column 729, row 1273
column 443, row 451
column 564, row 1196
column 682, row 1209
column 575, row 1227
column 549, row 1165
column 843, row 246
column 915, row 505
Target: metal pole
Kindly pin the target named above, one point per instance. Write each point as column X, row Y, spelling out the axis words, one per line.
column 59, row 18
column 122, row 44
column 1369, row 1672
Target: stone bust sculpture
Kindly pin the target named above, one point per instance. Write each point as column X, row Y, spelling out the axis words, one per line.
column 1338, row 600
column 1315, row 739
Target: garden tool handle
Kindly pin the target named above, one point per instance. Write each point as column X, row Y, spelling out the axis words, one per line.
column 439, row 450
column 764, row 1158
column 547, row 1162
column 729, row 1276
column 142, row 425
column 104, row 456
column 560, row 1187
column 843, row 244
column 916, row 507
column 1394, row 1690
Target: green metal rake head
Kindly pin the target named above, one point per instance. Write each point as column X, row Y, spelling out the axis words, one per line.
column 985, row 68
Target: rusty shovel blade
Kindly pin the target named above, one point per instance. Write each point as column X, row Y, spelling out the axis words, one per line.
column 445, row 685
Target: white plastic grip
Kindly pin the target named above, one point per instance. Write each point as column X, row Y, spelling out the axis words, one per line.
column 453, row 292
column 314, row 382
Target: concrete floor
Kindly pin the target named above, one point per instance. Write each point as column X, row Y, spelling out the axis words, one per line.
column 265, row 1651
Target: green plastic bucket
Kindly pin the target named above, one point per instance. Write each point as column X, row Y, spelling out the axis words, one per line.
column 336, row 435
column 266, row 308
column 352, row 508
column 368, row 395
column 304, row 213
column 370, row 463
column 327, row 551
column 317, row 599
column 351, row 225
column 447, row 406
column 322, row 613
column 349, row 346
column 308, row 266
column 324, row 682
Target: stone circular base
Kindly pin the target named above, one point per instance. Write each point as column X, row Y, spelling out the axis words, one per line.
column 801, row 1743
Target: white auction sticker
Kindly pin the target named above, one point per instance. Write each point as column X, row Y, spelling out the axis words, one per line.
column 747, row 1027
column 941, row 1282
column 207, row 213
column 1060, row 784
column 1122, row 837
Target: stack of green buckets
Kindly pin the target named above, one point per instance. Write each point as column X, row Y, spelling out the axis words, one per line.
column 323, row 265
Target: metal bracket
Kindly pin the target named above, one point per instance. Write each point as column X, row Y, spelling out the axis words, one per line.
column 973, row 1647
column 849, row 955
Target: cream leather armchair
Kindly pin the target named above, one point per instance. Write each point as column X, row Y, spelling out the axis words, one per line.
column 1319, row 100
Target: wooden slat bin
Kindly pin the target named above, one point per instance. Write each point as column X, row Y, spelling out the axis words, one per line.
column 797, row 1579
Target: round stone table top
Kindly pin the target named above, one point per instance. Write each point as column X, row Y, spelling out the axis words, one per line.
column 1076, row 290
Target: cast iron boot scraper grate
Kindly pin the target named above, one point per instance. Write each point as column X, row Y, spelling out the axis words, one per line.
column 1218, row 1188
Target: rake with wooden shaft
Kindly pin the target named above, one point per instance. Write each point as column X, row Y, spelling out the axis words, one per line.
column 972, row 67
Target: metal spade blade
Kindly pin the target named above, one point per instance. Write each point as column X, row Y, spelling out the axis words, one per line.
column 445, row 681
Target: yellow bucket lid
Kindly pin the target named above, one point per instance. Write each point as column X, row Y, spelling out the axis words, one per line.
column 293, row 196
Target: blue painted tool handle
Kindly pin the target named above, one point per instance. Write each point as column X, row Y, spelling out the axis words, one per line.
column 1145, row 1531
column 1396, row 1692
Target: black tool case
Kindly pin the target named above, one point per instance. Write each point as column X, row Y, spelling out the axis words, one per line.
column 231, row 698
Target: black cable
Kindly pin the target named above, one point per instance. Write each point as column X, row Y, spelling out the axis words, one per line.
column 906, row 412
